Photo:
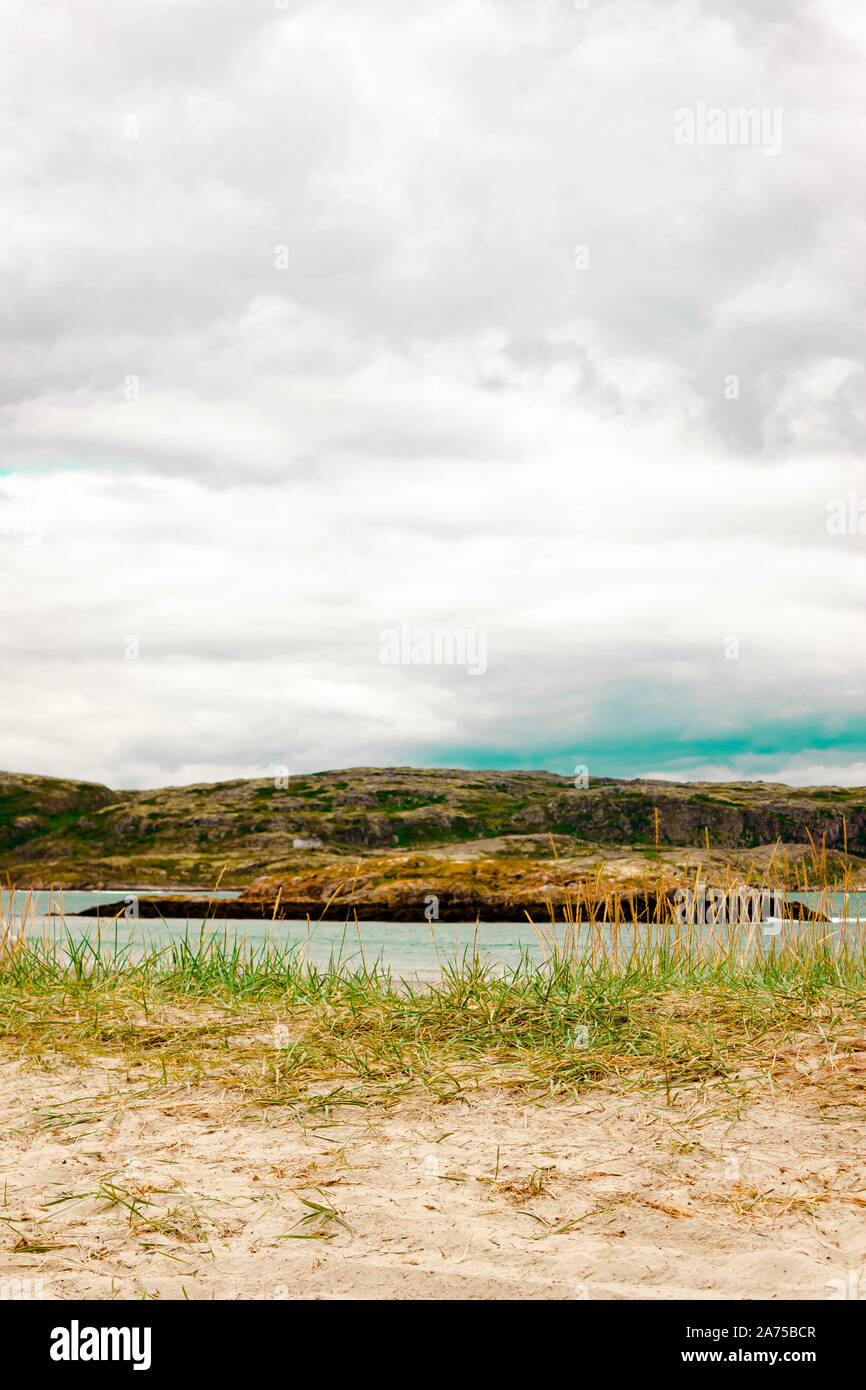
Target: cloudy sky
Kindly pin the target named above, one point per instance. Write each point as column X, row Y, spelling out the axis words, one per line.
column 325, row 322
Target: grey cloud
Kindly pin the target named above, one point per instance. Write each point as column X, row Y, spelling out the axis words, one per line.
column 433, row 413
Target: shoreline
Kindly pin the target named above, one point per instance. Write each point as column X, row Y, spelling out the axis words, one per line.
column 192, row 1134
column 214, row 1122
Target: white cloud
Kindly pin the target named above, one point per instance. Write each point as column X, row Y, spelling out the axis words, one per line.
column 431, row 414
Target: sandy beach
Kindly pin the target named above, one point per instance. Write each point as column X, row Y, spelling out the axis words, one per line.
column 114, row 1189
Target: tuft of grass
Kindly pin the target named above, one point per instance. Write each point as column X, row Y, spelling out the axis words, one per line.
column 649, row 1007
column 320, row 1216
column 616, row 1002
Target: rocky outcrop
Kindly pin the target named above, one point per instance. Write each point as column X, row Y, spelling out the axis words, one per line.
column 402, row 906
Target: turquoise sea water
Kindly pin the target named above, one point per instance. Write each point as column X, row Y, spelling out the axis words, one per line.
column 408, row 949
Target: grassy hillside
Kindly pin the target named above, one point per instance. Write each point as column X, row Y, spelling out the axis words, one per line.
column 36, row 808
column 81, row 833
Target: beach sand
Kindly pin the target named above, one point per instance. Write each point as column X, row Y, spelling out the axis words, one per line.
column 177, row 1191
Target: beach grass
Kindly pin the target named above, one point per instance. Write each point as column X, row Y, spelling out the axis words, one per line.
column 660, row 1008
column 218, row 1103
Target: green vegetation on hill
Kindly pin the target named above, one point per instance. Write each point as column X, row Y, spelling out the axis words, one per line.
column 34, row 808
column 81, row 833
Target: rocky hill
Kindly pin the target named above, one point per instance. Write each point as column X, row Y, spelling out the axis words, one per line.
column 83, row 834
